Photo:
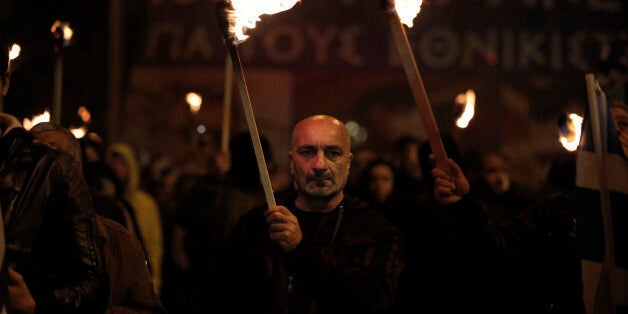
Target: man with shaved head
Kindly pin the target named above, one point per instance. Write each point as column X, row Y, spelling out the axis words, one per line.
column 319, row 250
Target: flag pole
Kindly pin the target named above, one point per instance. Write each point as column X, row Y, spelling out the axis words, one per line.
column 250, row 120
column 608, row 268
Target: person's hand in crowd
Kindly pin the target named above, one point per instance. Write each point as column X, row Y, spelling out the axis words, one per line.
column 283, row 227
column 450, row 185
column 20, row 299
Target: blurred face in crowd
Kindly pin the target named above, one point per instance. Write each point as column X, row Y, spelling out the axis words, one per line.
column 363, row 157
column 620, row 119
column 120, row 167
column 382, row 182
column 494, row 173
column 320, row 158
column 409, row 159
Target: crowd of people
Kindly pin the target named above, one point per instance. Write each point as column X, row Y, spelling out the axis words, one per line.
column 88, row 228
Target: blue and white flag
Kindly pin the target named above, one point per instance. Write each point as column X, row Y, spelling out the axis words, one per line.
column 602, row 209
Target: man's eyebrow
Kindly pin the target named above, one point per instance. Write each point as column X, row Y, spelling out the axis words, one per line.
column 307, row 146
column 334, row 146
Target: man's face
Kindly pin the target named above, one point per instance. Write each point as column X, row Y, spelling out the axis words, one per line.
column 320, row 158
column 55, row 139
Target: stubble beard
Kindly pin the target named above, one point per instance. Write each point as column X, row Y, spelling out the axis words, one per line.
column 317, row 190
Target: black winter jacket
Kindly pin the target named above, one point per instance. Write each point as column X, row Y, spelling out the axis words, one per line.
column 50, row 227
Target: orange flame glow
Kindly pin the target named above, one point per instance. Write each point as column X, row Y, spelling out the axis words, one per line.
column 14, row 51
column 85, row 115
column 570, row 139
column 65, row 29
column 468, row 99
column 79, row 132
column 245, row 14
column 407, row 10
column 194, row 100
column 44, row 117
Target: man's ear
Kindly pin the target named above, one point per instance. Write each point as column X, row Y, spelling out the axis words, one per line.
column 6, row 80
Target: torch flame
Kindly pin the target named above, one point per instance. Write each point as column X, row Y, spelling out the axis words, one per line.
column 407, row 10
column 66, row 30
column 194, row 100
column 14, row 51
column 469, row 109
column 245, row 14
column 79, row 132
column 44, row 117
column 570, row 137
column 85, row 115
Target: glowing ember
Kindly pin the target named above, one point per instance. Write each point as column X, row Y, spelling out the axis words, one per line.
column 244, row 14
column 407, row 10
column 569, row 132
column 44, row 117
column 468, row 99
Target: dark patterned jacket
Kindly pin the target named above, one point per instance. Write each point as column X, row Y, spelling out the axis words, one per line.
column 349, row 261
column 49, row 225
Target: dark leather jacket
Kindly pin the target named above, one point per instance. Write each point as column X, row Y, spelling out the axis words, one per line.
column 50, row 227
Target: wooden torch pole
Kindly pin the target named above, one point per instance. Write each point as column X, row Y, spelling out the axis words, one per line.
column 226, row 111
column 418, row 90
column 250, row 120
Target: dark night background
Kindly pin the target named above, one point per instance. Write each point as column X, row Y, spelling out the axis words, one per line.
column 525, row 60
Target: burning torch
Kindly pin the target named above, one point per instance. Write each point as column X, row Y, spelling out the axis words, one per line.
column 62, row 36
column 403, row 12
column 467, row 102
column 234, row 18
column 14, row 52
column 570, row 130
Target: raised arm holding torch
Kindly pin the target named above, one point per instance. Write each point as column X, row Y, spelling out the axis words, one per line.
column 403, row 12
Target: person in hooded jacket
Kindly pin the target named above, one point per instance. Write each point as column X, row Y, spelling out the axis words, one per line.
column 121, row 157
